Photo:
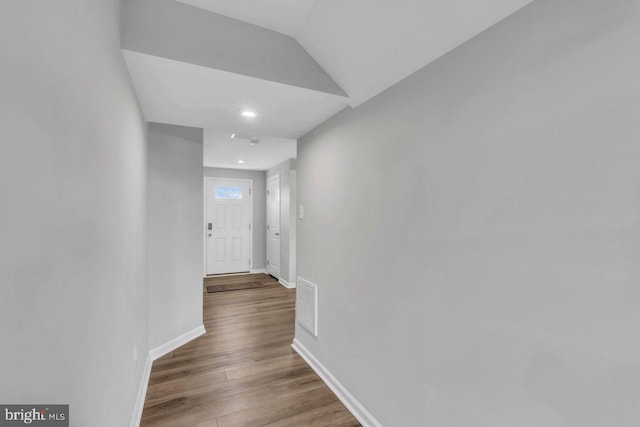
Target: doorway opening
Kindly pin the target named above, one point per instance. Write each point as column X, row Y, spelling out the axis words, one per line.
column 273, row 226
column 228, row 225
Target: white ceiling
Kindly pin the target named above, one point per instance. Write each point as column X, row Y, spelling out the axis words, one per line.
column 221, row 151
column 367, row 46
column 283, row 16
column 191, row 95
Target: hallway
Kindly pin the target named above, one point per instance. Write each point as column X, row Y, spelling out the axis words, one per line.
column 243, row 371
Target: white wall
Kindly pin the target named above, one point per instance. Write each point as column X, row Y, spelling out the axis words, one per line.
column 475, row 230
column 175, row 231
column 286, row 170
column 259, row 258
column 73, row 297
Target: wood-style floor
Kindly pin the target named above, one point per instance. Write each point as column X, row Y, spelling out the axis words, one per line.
column 243, row 371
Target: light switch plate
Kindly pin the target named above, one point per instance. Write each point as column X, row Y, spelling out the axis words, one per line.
column 300, row 212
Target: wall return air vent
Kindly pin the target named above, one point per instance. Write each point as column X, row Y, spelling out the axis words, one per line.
column 307, row 305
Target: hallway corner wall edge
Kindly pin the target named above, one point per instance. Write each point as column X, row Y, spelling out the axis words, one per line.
column 473, row 230
column 73, row 300
column 175, row 232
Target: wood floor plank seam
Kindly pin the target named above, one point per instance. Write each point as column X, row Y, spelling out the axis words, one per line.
column 242, row 372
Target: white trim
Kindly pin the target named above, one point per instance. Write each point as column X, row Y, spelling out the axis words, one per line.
column 142, row 393
column 293, row 222
column 153, row 355
column 258, row 271
column 242, row 273
column 287, row 284
column 204, row 220
column 204, row 228
column 169, row 346
column 279, row 272
column 355, row 407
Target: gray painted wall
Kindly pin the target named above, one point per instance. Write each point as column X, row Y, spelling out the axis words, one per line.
column 73, row 295
column 174, row 231
column 259, row 209
column 177, row 31
column 293, row 223
column 286, row 170
column 474, row 230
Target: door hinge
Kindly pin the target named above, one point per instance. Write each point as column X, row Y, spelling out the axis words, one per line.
column 249, row 226
column 249, row 191
column 267, row 192
column 249, row 261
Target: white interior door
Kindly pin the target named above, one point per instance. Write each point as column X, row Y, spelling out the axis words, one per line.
column 227, row 225
column 273, row 226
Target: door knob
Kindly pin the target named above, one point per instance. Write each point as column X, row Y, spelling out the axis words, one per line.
column 277, row 234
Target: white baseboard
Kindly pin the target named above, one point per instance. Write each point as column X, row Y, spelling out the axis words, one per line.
column 142, row 393
column 168, row 347
column 287, row 284
column 153, row 355
column 257, row 271
column 355, row 407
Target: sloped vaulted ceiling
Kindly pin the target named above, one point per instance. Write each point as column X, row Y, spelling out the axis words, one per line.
column 367, row 46
column 283, row 16
column 199, row 62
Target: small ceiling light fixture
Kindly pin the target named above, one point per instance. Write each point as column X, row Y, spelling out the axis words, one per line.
column 248, row 114
column 241, row 161
column 253, row 140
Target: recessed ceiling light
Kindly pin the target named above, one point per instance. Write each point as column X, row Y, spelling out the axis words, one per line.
column 240, row 161
column 248, row 113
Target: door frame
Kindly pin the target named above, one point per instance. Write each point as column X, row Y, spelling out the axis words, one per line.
column 204, row 220
column 279, row 178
